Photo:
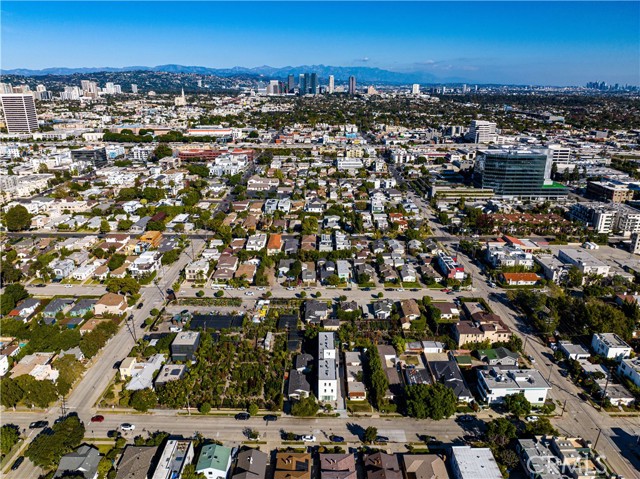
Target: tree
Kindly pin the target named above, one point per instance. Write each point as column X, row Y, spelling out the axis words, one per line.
column 305, row 407
column 104, row 226
column 575, row 277
column 170, row 256
column 9, row 436
column 116, row 261
column 253, row 409
column 124, row 225
column 17, row 218
column 123, row 285
column 378, row 382
column 517, row 404
column 370, row 434
column 435, row 401
column 51, row 444
column 12, row 393
column 162, row 151
column 144, row 399
column 205, row 408
column 500, row 432
column 12, row 295
column 541, row 427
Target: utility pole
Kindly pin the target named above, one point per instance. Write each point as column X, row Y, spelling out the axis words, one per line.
column 595, row 446
column 564, row 406
column 63, row 406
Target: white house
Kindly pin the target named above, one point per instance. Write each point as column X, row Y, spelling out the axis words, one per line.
column 610, row 345
column 630, row 368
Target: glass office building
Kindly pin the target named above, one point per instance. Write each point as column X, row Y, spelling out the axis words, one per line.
column 516, row 173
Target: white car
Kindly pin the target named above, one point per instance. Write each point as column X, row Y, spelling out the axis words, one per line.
column 228, row 288
column 68, row 286
column 309, row 438
column 290, row 288
column 531, row 418
column 242, row 288
column 127, row 426
column 400, row 289
column 261, row 288
column 249, row 293
column 175, row 329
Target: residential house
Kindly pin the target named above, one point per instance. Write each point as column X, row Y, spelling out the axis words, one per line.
column 448, row 311
column 135, row 462
column 142, row 374
column 610, row 346
column 482, row 327
column 520, row 279
column 83, row 461
column 382, row 308
column 111, row 303
column 449, row 374
column 315, row 311
column 409, row 311
column 146, row 264
column 298, row 386
column 25, row 309
column 197, row 270
column 338, row 466
column 292, row 465
column 256, row 242
column 177, row 453
column 498, row 357
column 214, row 461
column 250, row 464
column 55, row 306
column 424, row 466
column 380, row 465
column 168, row 373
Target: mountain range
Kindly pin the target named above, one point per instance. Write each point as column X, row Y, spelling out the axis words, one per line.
column 363, row 74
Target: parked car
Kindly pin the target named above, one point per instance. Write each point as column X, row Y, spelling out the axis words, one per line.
column 127, row 426
column 336, row 439
column 249, row 293
column 38, row 424
column 68, row 286
column 531, row 418
column 465, row 418
column 97, row 418
column 140, row 304
column 17, row 463
column 175, row 329
column 382, row 439
column 271, row 417
column 242, row 416
column 41, row 285
column 309, row 438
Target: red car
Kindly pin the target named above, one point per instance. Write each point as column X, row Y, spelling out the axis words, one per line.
column 445, row 290
column 97, row 418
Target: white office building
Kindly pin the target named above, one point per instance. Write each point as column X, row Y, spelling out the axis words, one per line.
column 482, row 131
column 494, row 384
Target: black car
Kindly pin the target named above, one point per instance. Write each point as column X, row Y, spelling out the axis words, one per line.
column 140, row 305
column 336, row 439
column 242, row 416
column 38, row 424
column 382, row 439
column 271, row 417
column 17, row 464
column 41, row 285
column 465, row 418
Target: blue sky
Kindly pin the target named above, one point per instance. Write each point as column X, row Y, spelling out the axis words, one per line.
column 509, row 42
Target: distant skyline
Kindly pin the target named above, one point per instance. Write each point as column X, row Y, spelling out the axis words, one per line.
column 551, row 43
